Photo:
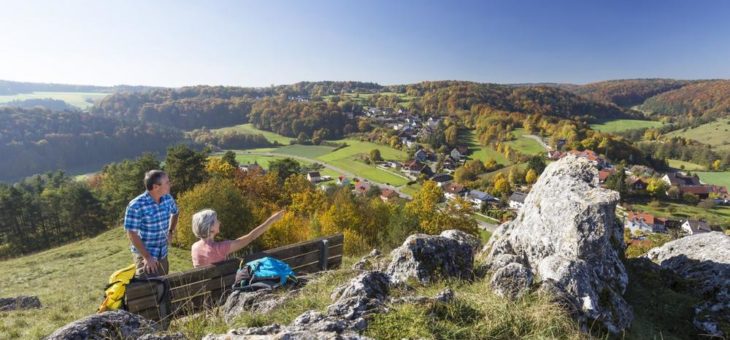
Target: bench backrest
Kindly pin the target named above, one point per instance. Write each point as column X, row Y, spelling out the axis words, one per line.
column 200, row 288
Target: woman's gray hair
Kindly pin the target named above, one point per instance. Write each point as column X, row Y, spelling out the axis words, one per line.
column 203, row 222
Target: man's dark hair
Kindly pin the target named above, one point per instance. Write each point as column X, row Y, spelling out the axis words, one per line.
column 153, row 177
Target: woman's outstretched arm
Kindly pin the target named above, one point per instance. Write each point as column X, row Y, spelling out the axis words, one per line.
column 244, row 240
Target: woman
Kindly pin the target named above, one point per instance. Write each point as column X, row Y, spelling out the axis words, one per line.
column 206, row 226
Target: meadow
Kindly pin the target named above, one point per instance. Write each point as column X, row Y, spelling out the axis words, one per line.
column 716, row 178
column 682, row 165
column 68, row 280
column 716, row 134
column 478, row 151
column 82, row 100
column 618, row 125
column 525, row 145
column 250, row 129
column 719, row 215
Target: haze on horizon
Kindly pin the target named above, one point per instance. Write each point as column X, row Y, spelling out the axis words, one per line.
column 177, row 43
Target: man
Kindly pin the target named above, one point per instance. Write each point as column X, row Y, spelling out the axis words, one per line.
column 150, row 222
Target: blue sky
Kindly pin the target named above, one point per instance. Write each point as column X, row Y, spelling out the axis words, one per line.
column 176, row 43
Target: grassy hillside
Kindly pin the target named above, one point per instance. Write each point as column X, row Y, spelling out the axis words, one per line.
column 618, row 125
column 69, row 280
column 716, row 178
column 249, row 128
column 682, row 165
column 716, row 134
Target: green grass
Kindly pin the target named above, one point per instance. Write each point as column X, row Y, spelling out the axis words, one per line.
column 478, row 151
column 619, row 125
column 308, row 151
column 716, row 178
column 475, row 313
column 677, row 164
column 250, row 129
column 525, row 145
column 261, row 160
column 719, row 215
column 347, row 159
column 716, row 134
column 411, row 189
column 69, row 280
column 82, row 100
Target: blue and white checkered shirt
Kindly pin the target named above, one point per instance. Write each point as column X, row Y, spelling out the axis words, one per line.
column 151, row 222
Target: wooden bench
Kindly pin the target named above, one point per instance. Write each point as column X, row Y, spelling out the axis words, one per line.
column 195, row 290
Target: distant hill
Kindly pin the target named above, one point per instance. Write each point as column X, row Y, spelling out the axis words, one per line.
column 708, row 98
column 14, row 87
column 625, row 92
column 48, row 103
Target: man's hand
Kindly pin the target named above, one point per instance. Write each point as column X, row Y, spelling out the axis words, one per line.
column 150, row 265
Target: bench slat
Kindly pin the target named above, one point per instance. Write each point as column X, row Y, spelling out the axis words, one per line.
column 182, row 292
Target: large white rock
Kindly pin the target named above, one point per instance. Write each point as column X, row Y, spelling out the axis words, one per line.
column 567, row 236
column 703, row 260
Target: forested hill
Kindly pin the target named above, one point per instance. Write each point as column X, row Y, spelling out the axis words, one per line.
column 453, row 96
column 38, row 140
column 626, row 92
column 708, row 98
column 15, row 87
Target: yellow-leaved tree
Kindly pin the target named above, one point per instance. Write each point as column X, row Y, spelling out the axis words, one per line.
column 217, row 167
column 290, row 229
column 220, row 195
column 424, row 208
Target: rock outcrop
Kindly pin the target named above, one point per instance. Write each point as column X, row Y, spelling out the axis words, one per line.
column 344, row 319
column 19, row 302
column 261, row 301
column 118, row 324
column 704, row 261
column 427, row 258
column 565, row 237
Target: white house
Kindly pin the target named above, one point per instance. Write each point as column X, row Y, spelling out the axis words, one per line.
column 517, row 200
column 691, row 227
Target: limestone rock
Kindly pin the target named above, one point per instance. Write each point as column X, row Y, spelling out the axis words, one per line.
column 704, row 261
column 512, row 281
column 118, row 324
column 463, row 237
column 427, row 258
column 344, row 319
column 567, row 234
column 262, row 301
column 367, row 262
column 19, row 302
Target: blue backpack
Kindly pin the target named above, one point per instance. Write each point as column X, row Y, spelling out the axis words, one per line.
column 264, row 273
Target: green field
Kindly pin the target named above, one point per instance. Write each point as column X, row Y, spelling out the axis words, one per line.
column 82, row 100
column 720, row 215
column 677, row 164
column 716, row 178
column 619, row 125
column 347, row 159
column 480, row 152
column 716, row 134
column 309, row 151
column 69, row 281
column 264, row 161
column 249, row 128
column 525, row 145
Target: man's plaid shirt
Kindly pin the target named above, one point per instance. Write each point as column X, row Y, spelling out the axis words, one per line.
column 151, row 222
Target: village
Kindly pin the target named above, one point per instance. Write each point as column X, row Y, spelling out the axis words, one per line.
column 637, row 182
